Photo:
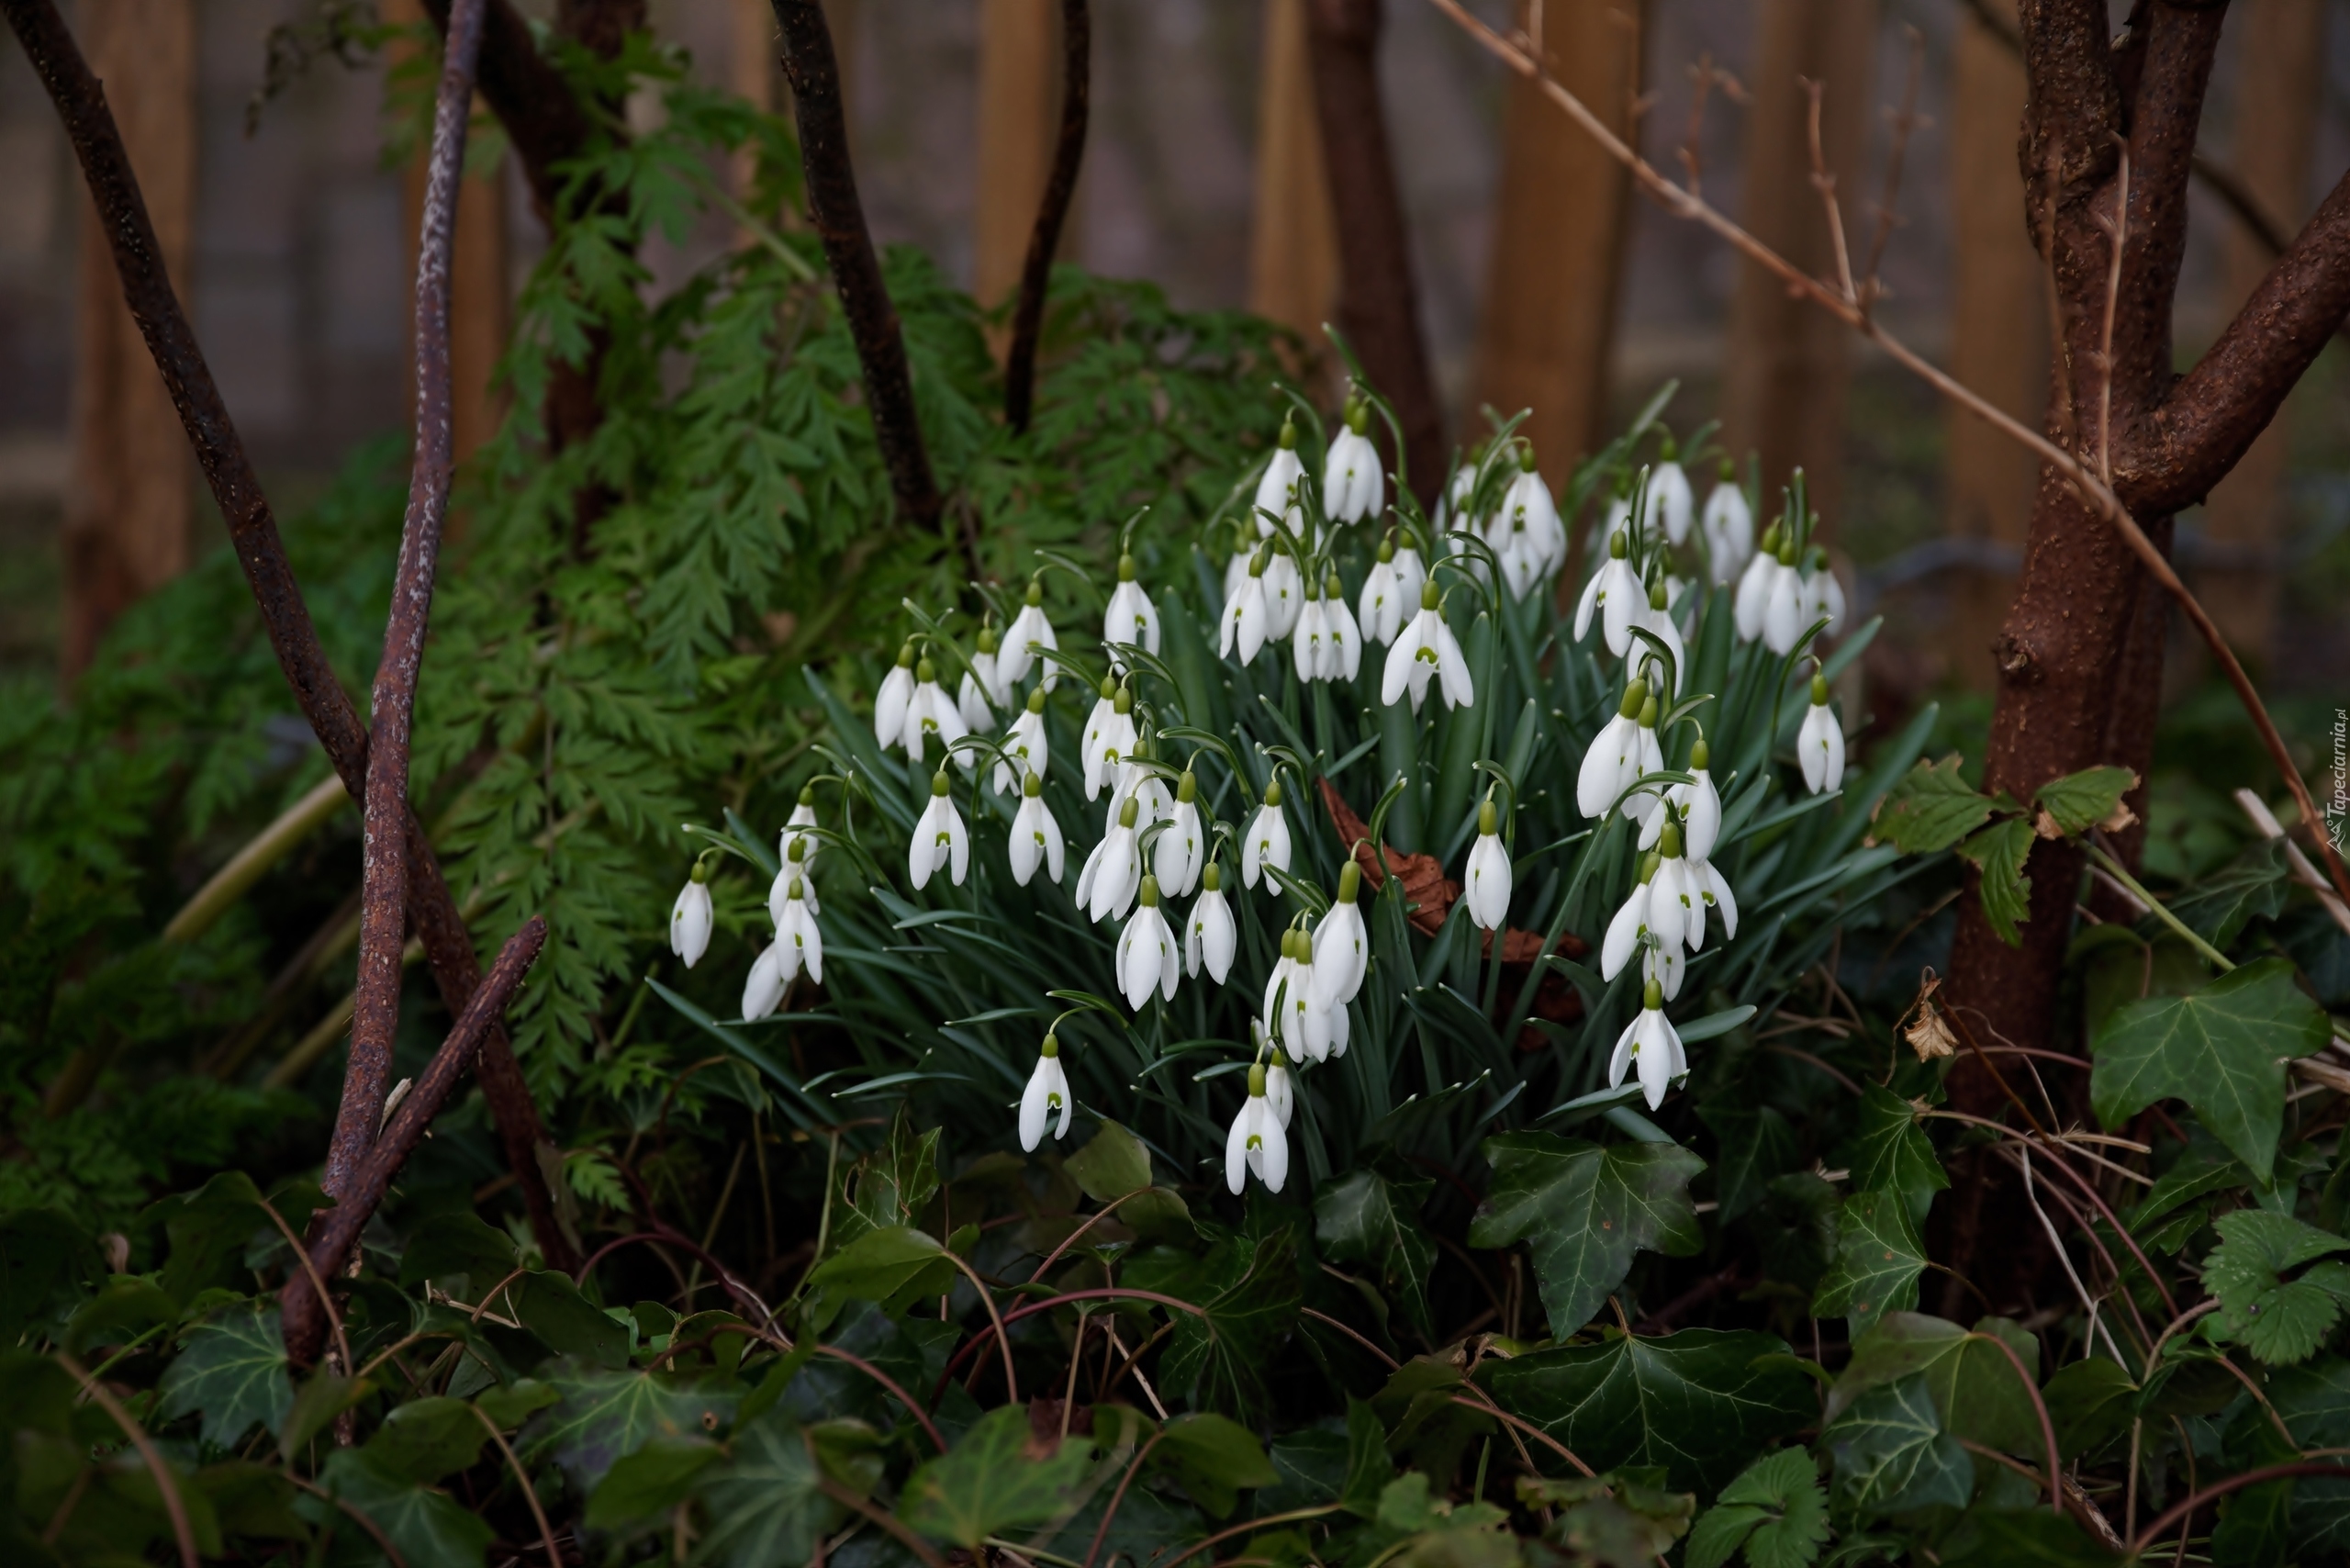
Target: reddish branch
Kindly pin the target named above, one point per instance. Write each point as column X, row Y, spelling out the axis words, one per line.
column 261, row 551
column 1378, row 301
column 1028, row 321
column 839, row 219
column 333, row 1239
column 542, row 119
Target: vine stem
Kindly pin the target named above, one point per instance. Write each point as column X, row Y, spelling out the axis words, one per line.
column 2047, row 1427
column 166, row 1483
column 2218, row 1489
column 1101, row 1532
column 998, row 1325
column 2099, row 497
column 883, row 1516
column 1293, row 1517
column 529, row 1493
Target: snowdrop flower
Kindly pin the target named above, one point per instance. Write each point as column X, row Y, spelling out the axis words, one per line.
column 1047, row 1094
column 794, row 872
column 1650, row 1045
column 1727, row 524
column 978, row 696
column 1268, row 840
column 939, row 838
column 1755, row 586
column 889, row 703
column 1697, row 806
column 1026, row 749
column 1257, row 1142
column 1139, row 782
column 1146, row 952
column 929, row 713
column 795, row 826
column 691, row 918
column 1823, row 596
column 1108, row 737
column 1305, row 644
column 1619, row 755
column 1131, row 618
column 1614, row 594
column 1209, row 936
column 1427, row 647
column 1305, row 1026
column 1035, row 836
column 1235, row 566
column 1245, row 625
column 1488, row 876
column 1341, row 944
column 1276, row 487
column 1384, row 598
column 1657, row 909
column 1342, row 638
column 796, row 934
column 1112, row 873
column 1534, row 531
column 1284, row 596
column 762, row 987
column 1782, row 621
column 1819, row 744
column 1179, row 852
column 1025, row 640
column 1663, row 968
column 1281, row 989
column 1711, row 890
column 1667, row 502
column 1452, row 505
column 1278, row 1093
column 1353, row 485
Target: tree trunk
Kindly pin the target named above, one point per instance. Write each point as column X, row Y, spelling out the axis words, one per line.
column 129, row 507
column 1293, row 237
column 1998, row 335
column 1378, row 301
column 1789, row 362
column 1020, row 71
column 1558, row 233
column 2282, row 71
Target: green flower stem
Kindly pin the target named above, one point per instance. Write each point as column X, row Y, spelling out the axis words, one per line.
column 2113, row 868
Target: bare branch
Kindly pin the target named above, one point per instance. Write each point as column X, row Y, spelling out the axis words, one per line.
column 1824, row 183
column 1028, row 321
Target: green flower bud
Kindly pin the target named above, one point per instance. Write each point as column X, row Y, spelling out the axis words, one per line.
column 1699, row 755
column 1820, row 691
column 1037, row 588
column 1037, row 700
column 1387, row 550
column 700, row 871
column 1126, row 813
column 1124, row 702
column 1274, row 790
column 1786, row 551
column 1668, row 843
column 1032, row 786
column 1489, row 820
column 1359, row 415
column 1636, row 697
column 925, row 673
column 1260, row 560
column 938, row 783
column 1668, row 450
column 1652, row 996
column 987, row 638
column 1429, row 597
column 796, row 851
column 1212, row 879
column 1109, row 688
column 1656, row 596
column 1526, row 458
column 1187, row 788
column 1149, row 894
column 1332, row 587
column 807, row 794
column 1649, row 863
column 1052, row 1046
column 1619, row 545
column 1256, row 1080
column 1771, row 540
column 1289, row 432
column 798, row 890
column 1728, row 471
column 1648, row 714
column 1126, row 568
column 1349, row 882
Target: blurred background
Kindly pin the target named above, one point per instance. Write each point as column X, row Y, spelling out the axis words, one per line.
column 1543, row 280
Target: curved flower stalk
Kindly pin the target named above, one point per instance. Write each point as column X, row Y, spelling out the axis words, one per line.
column 1131, row 616
column 1257, row 1141
column 1428, row 649
column 1112, row 873
column 1146, row 952
column 1025, row 641
column 1277, row 487
column 1819, row 743
column 1179, row 853
column 939, row 837
column 1486, row 885
column 1046, row 1098
column 1668, row 503
column 1210, row 938
column 1656, row 619
column 1614, row 595
column 691, row 918
column 796, row 837
column 1028, row 751
column 1353, row 485
column 1268, row 841
column 1650, row 1045
column 1623, row 752
column 977, row 698
column 1035, row 836
column 889, row 703
column 1727, row 526
column 1341, row 944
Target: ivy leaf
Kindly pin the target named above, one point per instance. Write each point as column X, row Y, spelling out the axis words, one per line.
column 425, row 1525
column 1369, row 1217
column 460, row 1243
column 232, row 1371
column 1888, row 1149
column 1583, row 1211
column 2252, row 886
column 1698, row 1403
column 425, row 1439
column 1892, row 1454
column 2001, row 851
column 1114, row 1165
column 1775, row 1509
column 1250, row 1292
column 879, row 1266
column 2280, row 1321
column 567, row 1322
column 657, row 1478
column 2091, row 798
column 2089, row 1403
column 1929, row 808
column 893, row 1184
column 768, row 1503
column 2220, row 1049
column 1972, row 1386
column 1214, row 1458
column 602, row 1416
column 998, row 1478
column 1878, row 1258
column 123, row 1308
column 1755, row 1145
column 318, row 1401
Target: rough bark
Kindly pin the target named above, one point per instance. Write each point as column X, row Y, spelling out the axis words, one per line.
column 1378, row 299
column 1559, row 227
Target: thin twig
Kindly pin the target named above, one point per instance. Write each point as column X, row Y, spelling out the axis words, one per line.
column 166, row 1484
column 2218, row 1489
column 2116, row 230
column 529, row 1493
column 883, row 1516
column 1824, row 181
column 383, row 1542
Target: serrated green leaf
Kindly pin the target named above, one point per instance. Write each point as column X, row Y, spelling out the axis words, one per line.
column 2001, row 851
column 1892, row 1454
column 646, row 1484
column 425, row 1525
column 1249, row 1293
column 1878, row 1258
column 2079, row 801
column 1888, row 1149
column 1974, row 1386
column 2221, row 1050
column 1583, row 1211
column 2251, row 887
column 602, row 1416
column 2280, row 1321
column 233, row 1372
column 1930, row 807
column 878, row 1266
column 1369, row 1217
column 1698, row 1403
column 1214, row 1458
column 996, row 1478
column 1775, row 1507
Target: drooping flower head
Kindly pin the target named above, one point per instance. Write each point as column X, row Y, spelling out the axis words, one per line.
column 1614, row 594
column 1615, row 760
column 1342, row 638
column 1131, row 616
column 690, row 917
column 1258, row 1142
column 1268, row 841
column 1276, row 487
column 1727, row 526
column 1247, row 622
column 1179, row 852
column 977, row 699
column 1026, row 640
column 795, row 831
column 1341, row 943
column 1209, row 937
column 1353, row 485
column 939, row 837
column 1026, row 748
column 1651, row 1045
column 1755, row 586
column 1668, row 503
column 1485, row 886
column 1036, row 835
column 1426, row 651
column 1046, row 1097
column 889, row 703
column 1146, row 951
column 1819, row 744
